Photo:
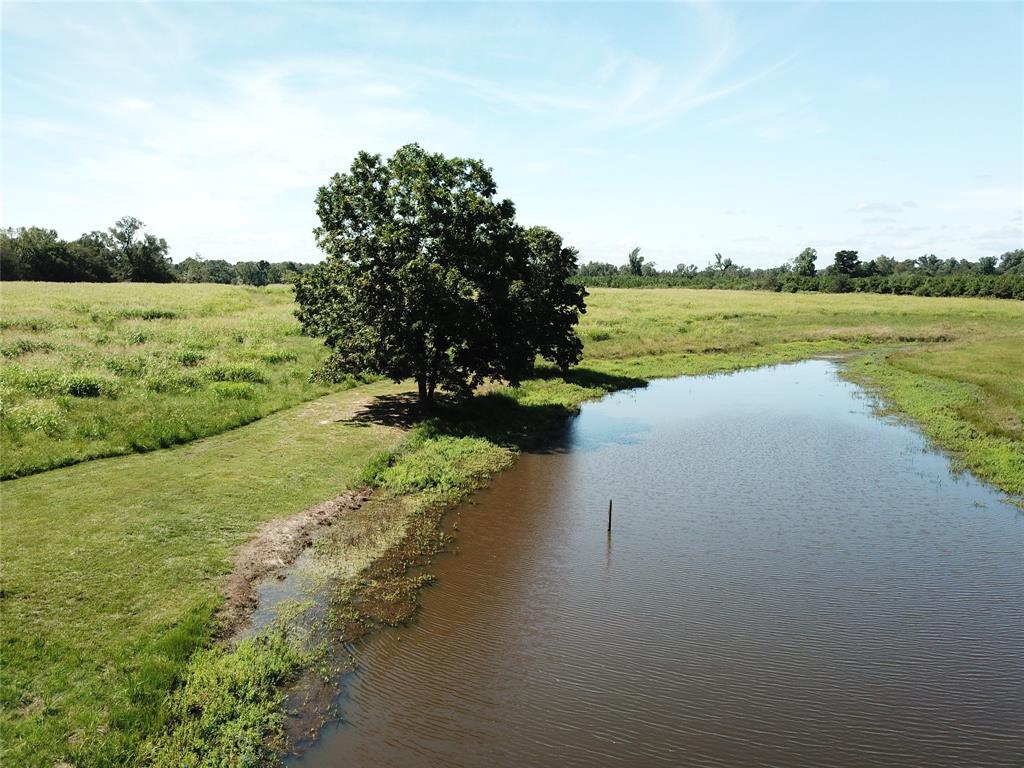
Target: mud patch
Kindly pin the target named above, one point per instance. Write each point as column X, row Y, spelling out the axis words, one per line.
column 276, row 546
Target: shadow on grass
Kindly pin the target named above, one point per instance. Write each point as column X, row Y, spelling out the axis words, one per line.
column 499, row 415
column 590, row 379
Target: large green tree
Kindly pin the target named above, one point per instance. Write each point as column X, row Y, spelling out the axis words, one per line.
column 428, row 276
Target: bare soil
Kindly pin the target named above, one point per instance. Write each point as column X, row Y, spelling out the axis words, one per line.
column 274, row 547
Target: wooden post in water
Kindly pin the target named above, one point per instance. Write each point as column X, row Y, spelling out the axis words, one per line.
column 609, row 515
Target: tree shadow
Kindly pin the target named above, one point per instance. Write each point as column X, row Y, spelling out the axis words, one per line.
column 389, row 411
column 497, row 415
column 591, row 379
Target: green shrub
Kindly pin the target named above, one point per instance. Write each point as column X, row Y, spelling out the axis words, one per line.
column 86, row 385
column 442, row 463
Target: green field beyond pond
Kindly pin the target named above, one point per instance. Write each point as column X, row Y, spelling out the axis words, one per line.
column 112, row 568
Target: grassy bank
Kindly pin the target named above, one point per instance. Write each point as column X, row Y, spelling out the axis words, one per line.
column 967, row 398
column 112, row 570
column 112, row 567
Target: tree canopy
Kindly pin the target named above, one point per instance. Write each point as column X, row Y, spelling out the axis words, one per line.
column 429, row 276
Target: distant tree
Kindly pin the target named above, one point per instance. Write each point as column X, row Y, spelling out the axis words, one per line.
column 35, row 253
column 220, row 271
column 635, row 263
column 649, row 269
column 10, row 258
column 428, row 276
column 285, row 271
column 846, row 263
column 1012, row 262
column 597, row 269
column 987, row 265
column 193, row 270
column 928, row 264
column 686, row 270
column 883, row 265
column 721, row 266
column 253, row 272
column 93, row 258
column 139, row 257
column 803, row 264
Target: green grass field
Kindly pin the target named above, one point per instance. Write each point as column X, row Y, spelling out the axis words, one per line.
column 112, row 567
column 94, row 370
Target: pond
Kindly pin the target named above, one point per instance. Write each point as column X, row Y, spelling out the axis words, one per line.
column 791, row 580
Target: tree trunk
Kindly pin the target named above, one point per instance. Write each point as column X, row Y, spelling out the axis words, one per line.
column 426, row 394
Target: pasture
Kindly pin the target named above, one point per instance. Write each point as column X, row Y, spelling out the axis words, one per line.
column 113, row 567
column 94, row 370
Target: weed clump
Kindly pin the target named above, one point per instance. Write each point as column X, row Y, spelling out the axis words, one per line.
column 236, row 372
column 236, row 390
column 46, row 416
column 189, row 358
column 131, row 366
column 20, row 347
column 276, row 356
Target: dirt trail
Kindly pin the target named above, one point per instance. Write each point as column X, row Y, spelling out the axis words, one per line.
column 275, row 546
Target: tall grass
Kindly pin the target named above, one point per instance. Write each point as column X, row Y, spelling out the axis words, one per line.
column 91, row 370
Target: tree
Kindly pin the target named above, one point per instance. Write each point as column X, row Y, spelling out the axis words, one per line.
column 804, row 263
column 928, row 264
column 721, row 266
column 987, row 265
column 193, row 270
column 1012, row 262
column 846, row 263
column 635, row 263
column 138, row 259
column 597, row 269
column 92, row 258
column 220, row 271
column 253, row 273
column 428, row 276
column 884, row 265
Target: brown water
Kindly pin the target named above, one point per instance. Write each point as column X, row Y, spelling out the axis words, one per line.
column 791, row 581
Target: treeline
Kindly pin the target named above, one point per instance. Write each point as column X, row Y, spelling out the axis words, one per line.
column 123, row 253
column 995, row 276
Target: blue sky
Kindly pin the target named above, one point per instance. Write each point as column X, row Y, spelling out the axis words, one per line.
column 750, row 129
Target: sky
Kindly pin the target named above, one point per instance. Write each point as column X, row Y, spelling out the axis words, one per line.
column 750, row 129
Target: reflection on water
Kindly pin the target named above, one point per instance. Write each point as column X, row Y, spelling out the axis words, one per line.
column 790, row 581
